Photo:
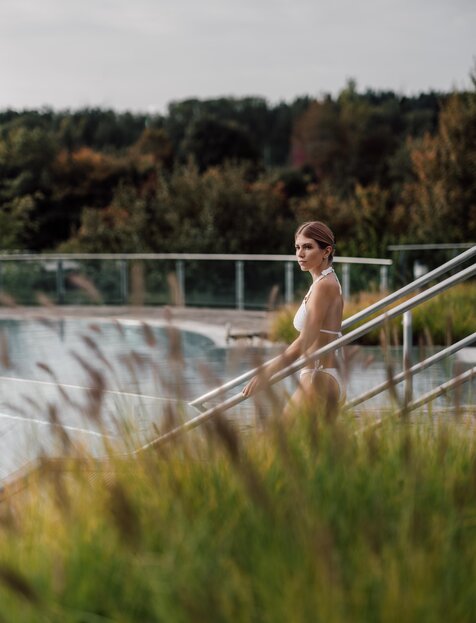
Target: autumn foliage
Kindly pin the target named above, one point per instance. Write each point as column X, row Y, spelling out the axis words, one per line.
column 236, row 175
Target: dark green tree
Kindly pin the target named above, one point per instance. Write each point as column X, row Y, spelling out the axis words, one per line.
column 212, row 142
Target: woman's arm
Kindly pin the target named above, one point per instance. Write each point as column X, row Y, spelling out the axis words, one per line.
column 292, row 352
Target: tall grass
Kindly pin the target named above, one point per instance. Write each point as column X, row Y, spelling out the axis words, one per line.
column 307, row 521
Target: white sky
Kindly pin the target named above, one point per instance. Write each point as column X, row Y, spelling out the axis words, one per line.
column 141, row 54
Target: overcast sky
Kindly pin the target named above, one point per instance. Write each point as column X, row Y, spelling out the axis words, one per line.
column 141, row 54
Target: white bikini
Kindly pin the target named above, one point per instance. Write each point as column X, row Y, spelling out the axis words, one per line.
column 299, row 322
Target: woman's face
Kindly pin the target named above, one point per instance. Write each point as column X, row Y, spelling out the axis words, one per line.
column 309, row 254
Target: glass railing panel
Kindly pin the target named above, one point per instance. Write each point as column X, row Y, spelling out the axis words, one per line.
column 158, row 278
column 103, row 275
column 210, row 283
column 24, row 280
column 264, row 284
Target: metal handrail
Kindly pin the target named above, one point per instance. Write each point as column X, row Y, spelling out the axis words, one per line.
column 302, row 361
column 411, row 287
column 59, row 262
column 257, row 257
column 442, row 389
column 426, row 398
column 430, row 247
column 422, row 365
column 359, row 316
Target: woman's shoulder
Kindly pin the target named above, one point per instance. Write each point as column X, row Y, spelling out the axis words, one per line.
column 327, row 287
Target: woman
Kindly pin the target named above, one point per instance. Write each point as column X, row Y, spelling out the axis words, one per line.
column 318, row 319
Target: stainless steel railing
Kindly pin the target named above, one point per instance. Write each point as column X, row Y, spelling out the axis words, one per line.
column 302, row 361
column 59, row 262
column 422, row 365
column 442, row 389
column 360, row 316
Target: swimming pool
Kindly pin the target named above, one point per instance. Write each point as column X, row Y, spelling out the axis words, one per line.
column 55, row 370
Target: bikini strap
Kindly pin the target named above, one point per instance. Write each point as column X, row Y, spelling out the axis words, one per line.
column 328, row 271
column 325, row 272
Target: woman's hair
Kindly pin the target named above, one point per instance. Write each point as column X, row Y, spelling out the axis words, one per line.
column 320, row 233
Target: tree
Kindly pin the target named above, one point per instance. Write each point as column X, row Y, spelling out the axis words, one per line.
column 442, row 197
column 355, row 138
column 26, row 169
column 154, row 144
column 317, row 140
column 118, row 228
column 212, row 142
column 15, row 222
column 218, row 211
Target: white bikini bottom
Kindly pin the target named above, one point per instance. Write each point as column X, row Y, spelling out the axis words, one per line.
column 333, row 372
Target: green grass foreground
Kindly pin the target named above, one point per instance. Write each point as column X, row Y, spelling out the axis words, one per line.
column 312, row 521
column 442, row 320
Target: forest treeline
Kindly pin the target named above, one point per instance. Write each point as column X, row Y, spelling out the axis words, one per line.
column 236, row 175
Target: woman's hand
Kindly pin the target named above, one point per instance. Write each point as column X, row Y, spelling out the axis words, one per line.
column 261, row 379
column 253, row 385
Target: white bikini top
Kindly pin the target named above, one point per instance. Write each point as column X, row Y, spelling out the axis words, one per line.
column 300, row 317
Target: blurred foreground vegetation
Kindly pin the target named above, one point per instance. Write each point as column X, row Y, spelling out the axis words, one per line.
column 444, row 319
column 313, row 520
column 236, row 175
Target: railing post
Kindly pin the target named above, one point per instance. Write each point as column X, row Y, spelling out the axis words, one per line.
column 239, row 285
column 60, row 282
column 346, row 280
column 407, row 355
column 383, row 278
column 124, row 280
column 1, row 276
column 288, row 283
column 180, row 274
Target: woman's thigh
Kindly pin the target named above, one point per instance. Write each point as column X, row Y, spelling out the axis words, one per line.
column 317, row 391
column 327, row 388
column 300, row 397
